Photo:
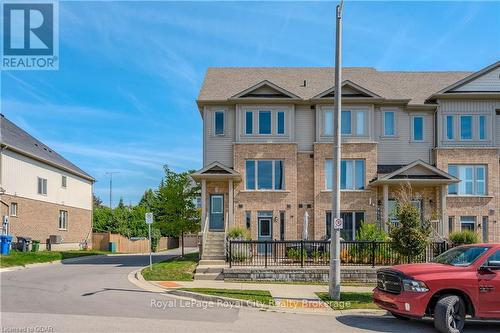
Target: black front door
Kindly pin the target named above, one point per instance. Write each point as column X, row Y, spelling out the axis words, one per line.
column 216, row 212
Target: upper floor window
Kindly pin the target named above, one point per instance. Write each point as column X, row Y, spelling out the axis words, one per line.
column 63, row 220
column 352, row 174
column 472, row 179
column 264, row 175
column 346, row 122
column 13, row 209
column 418, row 128
column 482, row 128
column 249, row 122
column 389, row 123
column 328, row 123
column 219, row 123
column 265, row 122
column 64, row 181
column 360, row 122
column 466, row 127
column 450, row 127
column 280, row 122
column 352, row 122
column 42, row 186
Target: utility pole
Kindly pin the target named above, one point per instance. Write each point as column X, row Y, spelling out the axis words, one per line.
column 334, row 277
column 110, row 174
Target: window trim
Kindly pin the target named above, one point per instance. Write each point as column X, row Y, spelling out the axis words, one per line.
column 214, row 128
column 64, row 181
column 354, row 112
column 44, row 186
column 65, row 214
column 354, row 160
column 273, row 175
column 413, row 128
column 384, row 133
column 16, row 213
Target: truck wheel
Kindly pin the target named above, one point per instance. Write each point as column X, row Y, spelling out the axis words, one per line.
column 449, row 314
column 400, row 317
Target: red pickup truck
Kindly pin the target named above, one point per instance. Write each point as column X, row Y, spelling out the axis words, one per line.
column 461, row 282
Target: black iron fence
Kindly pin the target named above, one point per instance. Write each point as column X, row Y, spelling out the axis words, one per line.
column 317, row 253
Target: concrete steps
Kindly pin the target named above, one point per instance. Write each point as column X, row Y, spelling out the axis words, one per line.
column 213, row 258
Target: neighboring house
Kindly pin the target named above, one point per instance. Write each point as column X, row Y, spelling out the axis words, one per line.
column 42, row 193
column 267, row 149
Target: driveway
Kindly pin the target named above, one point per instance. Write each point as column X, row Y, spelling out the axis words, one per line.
column 94, row 295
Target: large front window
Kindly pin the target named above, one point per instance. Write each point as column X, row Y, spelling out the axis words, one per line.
column 265, row 175
column 352, row 174
column 472, row 179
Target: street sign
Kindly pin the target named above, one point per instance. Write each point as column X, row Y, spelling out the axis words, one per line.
column 149, row 221
column 338, row 224
column 149, row 218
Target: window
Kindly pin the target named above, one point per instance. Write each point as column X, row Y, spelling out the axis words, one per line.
column 219, row 123
column 468, row 223
column 346, row 122
column 13, row 209
column 328, row 123
column 482, row 127
column 451, row 224
column 249, row 122
column 265, row 122
column 64, row 181
column 42, row 186
column 265, row 175
column 352, row 223
column 282, row 225
column 472, row 179
column 328, row 226
column 63, row 220
column 466, row 127
column 360, row 123
column 494, row 257
column 281, row 122
column 352, row 174
column 449, row 127
column 418, row 128
column 389, row 122
column 486, row 227
column 248, row 218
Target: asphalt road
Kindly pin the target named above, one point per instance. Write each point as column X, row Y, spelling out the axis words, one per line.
column 94, row 295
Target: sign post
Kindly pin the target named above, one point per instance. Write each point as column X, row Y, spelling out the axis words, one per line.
column 149, row 221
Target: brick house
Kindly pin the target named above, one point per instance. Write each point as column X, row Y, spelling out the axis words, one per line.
column 42, row 193
column 267, row 149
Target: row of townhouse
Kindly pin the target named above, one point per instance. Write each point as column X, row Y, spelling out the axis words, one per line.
column 42, row 194
column 268, row 145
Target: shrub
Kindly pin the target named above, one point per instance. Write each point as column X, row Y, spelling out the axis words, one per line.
column 294, row 254
column 238, row 233
column 464, row 237
column 371, row 232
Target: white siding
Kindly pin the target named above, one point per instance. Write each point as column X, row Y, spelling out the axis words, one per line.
column 467, row 107
column 487, row 82
column 401, row 149
column 218, row 147
column 304, row 128
column 20, row 177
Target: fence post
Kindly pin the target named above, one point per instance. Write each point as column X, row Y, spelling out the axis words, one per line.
column 373, row 253
column 230, row 256
column 265, row 253
column 302, row 253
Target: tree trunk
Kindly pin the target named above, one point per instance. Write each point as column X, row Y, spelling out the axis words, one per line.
column 182, row 244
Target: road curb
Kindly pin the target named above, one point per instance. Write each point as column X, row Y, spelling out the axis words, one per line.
column 42, row 264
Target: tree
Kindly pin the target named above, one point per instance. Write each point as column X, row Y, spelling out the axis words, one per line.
column 148, row 200
column 410, row 236
column 175, row 211
column 97, row 202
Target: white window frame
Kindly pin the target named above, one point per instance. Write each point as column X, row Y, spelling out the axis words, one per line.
column 460, row 127
column 64, row 181
column 474, row 223
column 353, row 188
column 384, row 133
column 273, row 174
column 63, row 220
column 214, row 127
column 13, row 209
column 42, row 190
column 413, row 128
column 258, row 122
column 474, row 180
column 354, row 112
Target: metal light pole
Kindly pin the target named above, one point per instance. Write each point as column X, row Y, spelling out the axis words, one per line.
column 110, row 174
column 334, row 277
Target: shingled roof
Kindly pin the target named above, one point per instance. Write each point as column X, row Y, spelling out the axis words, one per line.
column 16, row 139
column 221, row 83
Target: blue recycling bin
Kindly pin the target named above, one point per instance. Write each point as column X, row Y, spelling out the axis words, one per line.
column 5, row 241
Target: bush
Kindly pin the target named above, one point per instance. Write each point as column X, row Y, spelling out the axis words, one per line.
column 371, row 232
column 238, row 233
column 464, row 237
column 294, row 253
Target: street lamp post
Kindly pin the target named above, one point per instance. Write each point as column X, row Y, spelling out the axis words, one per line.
column 334, row 277
column 111, row 187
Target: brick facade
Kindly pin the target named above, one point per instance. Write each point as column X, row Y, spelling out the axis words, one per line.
column 38, row 220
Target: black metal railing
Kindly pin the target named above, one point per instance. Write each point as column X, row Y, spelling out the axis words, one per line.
column 303, row 253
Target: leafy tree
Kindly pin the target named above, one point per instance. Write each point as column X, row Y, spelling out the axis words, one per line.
column 175, row 211
column 148, row 200
column 410, row 236
column 97, row 202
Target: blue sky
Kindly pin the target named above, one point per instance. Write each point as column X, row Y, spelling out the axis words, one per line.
column 123, row 98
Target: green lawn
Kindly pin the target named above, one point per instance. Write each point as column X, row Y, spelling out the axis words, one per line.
column 177, row 269
column 23, row 258
column 260, row 296
column 349, row 300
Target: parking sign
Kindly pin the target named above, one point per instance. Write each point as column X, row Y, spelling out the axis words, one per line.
column 149, row 218
column 338, row 224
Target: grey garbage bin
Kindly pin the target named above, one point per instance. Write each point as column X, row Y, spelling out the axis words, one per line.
column 23, row 243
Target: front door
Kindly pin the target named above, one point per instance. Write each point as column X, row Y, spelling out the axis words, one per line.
column 265, row 233
column 216, row 212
